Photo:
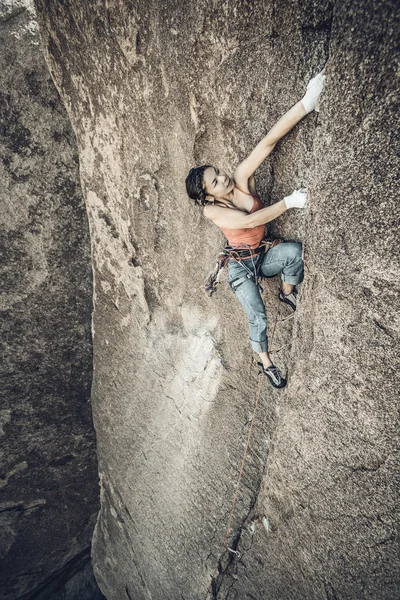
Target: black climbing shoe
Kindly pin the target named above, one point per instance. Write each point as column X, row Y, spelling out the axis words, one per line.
column 274, row 375
column 290, row 299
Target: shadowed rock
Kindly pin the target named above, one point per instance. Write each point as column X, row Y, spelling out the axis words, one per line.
column 48, row 473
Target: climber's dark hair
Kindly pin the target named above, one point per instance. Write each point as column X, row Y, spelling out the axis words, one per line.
column 194, row 185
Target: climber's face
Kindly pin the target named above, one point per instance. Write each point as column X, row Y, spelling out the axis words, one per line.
column 217, row 183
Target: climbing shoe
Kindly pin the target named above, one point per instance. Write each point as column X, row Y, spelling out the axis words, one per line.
column 274, row 375
column 290, row 299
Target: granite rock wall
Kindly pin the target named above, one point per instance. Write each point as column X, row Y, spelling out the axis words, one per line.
column 49, row 493
column 153, row 88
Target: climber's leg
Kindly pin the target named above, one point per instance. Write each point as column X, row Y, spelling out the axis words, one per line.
column 248, row 294
column 286, row 259
column 287, row 288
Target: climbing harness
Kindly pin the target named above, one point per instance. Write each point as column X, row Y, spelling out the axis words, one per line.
column 239, row 254
column 228, row 529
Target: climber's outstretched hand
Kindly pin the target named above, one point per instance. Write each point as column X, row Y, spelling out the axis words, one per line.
column 314, row 90
column 296, row 200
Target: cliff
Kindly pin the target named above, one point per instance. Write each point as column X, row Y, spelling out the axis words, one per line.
column 153, row 88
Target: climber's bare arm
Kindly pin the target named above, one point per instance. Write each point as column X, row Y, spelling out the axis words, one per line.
column 267, row 144
column 230, row 218
column 286, row 123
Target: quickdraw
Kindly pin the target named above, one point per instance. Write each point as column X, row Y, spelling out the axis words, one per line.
column 212, row 281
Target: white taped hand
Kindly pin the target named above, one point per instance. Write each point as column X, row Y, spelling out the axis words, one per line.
column 314, row 90
column 296, row 200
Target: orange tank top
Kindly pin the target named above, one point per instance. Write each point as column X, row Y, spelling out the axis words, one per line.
column 246, row 237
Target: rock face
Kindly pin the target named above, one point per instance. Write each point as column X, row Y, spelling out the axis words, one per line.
column 48, row 477
column 153, row 88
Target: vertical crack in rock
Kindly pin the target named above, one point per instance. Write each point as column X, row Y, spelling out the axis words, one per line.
column 226, row 571
column 127, row 593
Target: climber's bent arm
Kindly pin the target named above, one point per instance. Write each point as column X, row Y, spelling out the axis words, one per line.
column 267, row 144
column 237, row 219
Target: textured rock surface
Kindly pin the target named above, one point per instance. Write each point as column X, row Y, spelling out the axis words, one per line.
column 153, row 88
column 48, row 473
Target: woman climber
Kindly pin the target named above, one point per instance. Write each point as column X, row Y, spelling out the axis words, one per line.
column 232, row 203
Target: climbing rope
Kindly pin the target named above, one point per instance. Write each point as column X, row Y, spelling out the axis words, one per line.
column 228, row 529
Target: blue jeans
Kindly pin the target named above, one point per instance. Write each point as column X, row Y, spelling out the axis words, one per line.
column 285, row 258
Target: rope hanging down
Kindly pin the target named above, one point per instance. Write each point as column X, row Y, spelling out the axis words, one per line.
column 228, row 529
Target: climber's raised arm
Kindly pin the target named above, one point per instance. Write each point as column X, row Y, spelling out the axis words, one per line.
column 281, row 128
column 267, row 144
